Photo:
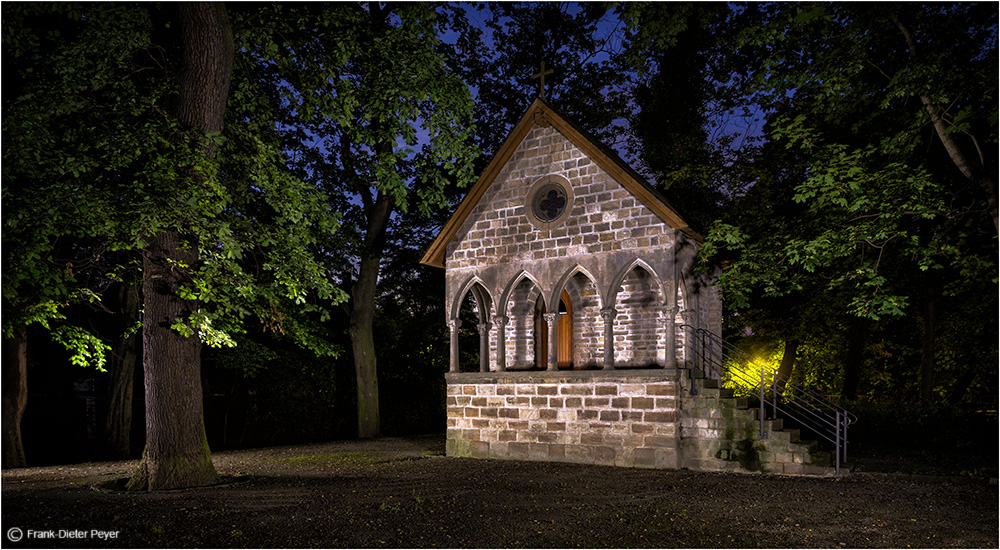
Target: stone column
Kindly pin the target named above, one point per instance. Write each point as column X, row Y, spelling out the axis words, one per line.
column 609, row 315
column 453, row 325
column 501, row 342
column 670, row 312
column 690, row 317
column 484, row 346
column 550, row 320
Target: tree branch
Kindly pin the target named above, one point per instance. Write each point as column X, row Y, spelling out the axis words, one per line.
column 985, row 181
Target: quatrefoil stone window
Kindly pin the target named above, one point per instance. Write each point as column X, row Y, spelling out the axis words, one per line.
column 549, row 202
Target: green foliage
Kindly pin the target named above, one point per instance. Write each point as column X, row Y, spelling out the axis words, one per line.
column 848, row 111
column 61, row 153
column 855, row 204
column 95, row 163
column 581, row 43
column 373, row 117
column 374, row 112
column 88, row 350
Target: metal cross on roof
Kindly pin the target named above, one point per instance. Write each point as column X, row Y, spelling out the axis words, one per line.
column 541, row 76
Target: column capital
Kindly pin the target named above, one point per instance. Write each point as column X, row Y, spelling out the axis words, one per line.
column 454, row 324
column 609, row 313
column 550, row 317
column 501, row 320
column 484, row 327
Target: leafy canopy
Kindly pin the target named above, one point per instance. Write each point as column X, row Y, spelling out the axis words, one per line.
column 94, row 163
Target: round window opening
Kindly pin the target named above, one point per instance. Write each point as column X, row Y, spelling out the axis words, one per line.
column 549, row 202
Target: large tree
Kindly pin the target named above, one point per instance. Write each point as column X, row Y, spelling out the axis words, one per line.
column 679, row 127
column 118, row 142
column 383, row 129
column 889, row 116
column 872, row 184
column 60, row 150
column 177, row 453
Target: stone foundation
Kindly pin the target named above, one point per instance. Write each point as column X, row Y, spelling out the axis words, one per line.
column 620, row 418
column 632, row 418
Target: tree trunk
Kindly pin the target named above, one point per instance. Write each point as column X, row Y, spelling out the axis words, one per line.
column 378, row 208
column 118, row 426
column 854, row 360
column 15, row 396
column 362, row 316
column 928, row 346
column 177, row 453
column 786, row 365
column 365, row 368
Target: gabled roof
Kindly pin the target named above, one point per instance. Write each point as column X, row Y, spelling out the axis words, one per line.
column 540, row 113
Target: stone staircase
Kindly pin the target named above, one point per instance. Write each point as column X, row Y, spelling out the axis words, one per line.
column 720, row 432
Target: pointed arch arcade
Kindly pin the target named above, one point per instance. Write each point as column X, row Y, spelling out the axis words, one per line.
column 483, row 307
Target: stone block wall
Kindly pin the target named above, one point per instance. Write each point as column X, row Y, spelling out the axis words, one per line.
column 604, row 216
column 640, row 333
column 639, row 418
column 592, row 417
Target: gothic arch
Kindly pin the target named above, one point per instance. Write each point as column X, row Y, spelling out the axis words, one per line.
column 639, row 310
column 509, row 289
column 584, row 326
column 480, row 293
column 522, row 336
column 615, row 288
column 564, row 280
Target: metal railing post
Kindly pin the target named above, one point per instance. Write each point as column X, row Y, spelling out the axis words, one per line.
column 847, row 423
column 838, row 443
column 762, row 434
column 774, row 394
column 701, row 364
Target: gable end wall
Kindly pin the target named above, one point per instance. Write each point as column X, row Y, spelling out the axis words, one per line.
column 605, row 216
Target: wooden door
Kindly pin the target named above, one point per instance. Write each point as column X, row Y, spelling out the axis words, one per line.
column 564, row 333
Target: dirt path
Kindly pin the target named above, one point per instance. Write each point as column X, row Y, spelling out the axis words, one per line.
column 402, row 493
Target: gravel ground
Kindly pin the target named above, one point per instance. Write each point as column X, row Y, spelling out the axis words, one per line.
column 400, row 492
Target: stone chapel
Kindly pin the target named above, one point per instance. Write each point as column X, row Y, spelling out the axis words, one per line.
column 580, row 276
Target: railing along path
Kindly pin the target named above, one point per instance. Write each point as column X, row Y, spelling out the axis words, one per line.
column 718, row 359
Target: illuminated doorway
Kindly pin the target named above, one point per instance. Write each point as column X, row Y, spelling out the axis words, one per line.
column 564, row 334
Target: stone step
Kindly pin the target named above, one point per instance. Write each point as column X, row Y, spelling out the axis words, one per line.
column 820, row 458
column 787, row 436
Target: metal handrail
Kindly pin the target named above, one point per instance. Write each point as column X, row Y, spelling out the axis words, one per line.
column 718, row 359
